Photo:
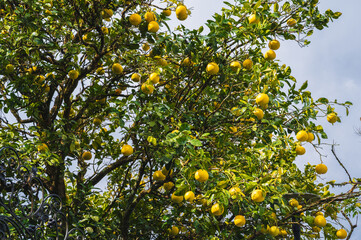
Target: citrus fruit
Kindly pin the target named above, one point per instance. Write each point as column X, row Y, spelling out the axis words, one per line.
column 300, row 150
column 176, row 199
column 258, row 196
column 174, row 231
column 291, row 22
column 235, row 65
column 262, row 99
column 9, row 68
column 310, row 137
column 319, row 221
column 107, row 13
column 135, row 77
column 117, row 68
column 341, row 234
column 181, row 12
column 270, row 55
column 248, row 64
column 201, row 175
column 302, row 136
column 274, row 231
column 253, row 19
column 332, row 117
column 212, row 68
column 97, row 121
column 87, row 155
column 293, row 202
column 147, row 88
column 189, row 196
column 154, row 78
column 235, row 191
column 135, row 19
column 149, row 17
column 153, row 27
column 167, row 12
column 168, row 186
column 274, row 44
column 259, row 113
column 158, row 176
column 127, row 150
column 217, row 209
column 239, row 220
column 321, row 168
column 73, row 74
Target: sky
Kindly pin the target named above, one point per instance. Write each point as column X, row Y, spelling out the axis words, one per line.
column 331, row 64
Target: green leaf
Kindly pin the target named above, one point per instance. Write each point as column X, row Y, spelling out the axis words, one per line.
column 195, row 142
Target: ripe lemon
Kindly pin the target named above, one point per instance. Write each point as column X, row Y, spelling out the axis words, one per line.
column 274, row 44
column 341, row 234
column 167, row 12
column 201, row 175
column 145, row 47
column 147, row 88
column 97, row 121
column 217, row 209
column 319, row 221
column 154, row 78
column 283, row 233
column 332, row 118
column 135, row 77
column 153, row 27
column 158, row 176
column 321, row 168
column 212, row 68
column 127, row 150
column 149, row 17
column 235, row 65
column 73, row 74
column 189, row 196
column 259, row 113
column 291, row 22
column 302, row 136
column 258, row 196
column 253, row 19
column 9, row 68
column 239, row 220
column 176, row 199
column 168, row 186
column 300, row 150
column 117, row 68
column 270, row 55
column 248, row 64
column 293, row 202
column 135, row 19
column 262, row 99
column 181, row 12
column 274, row 231
column 310, row 137
column 107, row 13
column 174, row 231
column 187, row 62
column 319, row 213
column 87, row 155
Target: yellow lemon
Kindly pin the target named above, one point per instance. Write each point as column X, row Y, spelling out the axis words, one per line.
column 270, row 55
column 107, row 13
column 167, row 12
column 174, row 231
column 168, row 186
column 217, row 209
column 300, row 150
column 302, row 136
column 176, row 199
column 262, row 99
column 9, row 68
column 73, row 74
column 321, row 168
column 87, row 155
column 154, row 78
column 253, row 19
column 293, row 202
column 135, row 77
column 97, row 121
column 153, row 27
column 239, row 220
column 181, row 12
column 235, row 65
column 310, row 137
column 201, row 175
column 147, row 88
column 259, row 113
column 341, row 234
column 117, row 68
column 332, row 118
column 189, row 196
column 127, row 150
column 149, row 17
column 247, row 64
column 135, row 19
column 158, row 176
column 274, row 44
column 274, row 231
column 258, row 196
column 319, row 221
column 212, row 68
column 291, row 22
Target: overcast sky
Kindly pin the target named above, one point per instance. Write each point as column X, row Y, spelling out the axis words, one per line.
column 332, row 66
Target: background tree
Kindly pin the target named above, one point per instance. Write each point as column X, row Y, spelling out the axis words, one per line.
column 150, row 133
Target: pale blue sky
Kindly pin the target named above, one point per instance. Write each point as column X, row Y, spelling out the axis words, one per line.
column 332, row 65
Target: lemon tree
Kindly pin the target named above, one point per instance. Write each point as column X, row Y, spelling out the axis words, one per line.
column 145, row 131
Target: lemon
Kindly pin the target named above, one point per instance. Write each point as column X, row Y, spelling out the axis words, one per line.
column 189, row 196
column 253, row 19
column 167, row 12
column 332, row 118
column 174, row 231
column 300, row 150
column 217, row 209
column 212, row 68
column 291, row 22
column 283, row 233
column 187, row 62
column 117, row 68
column 341, row 234
column 270, row 55
column 107, row 13
column 302, row 136
column 259, row 113
column 73, row 74
column 87, row 155
column 293, row 202
column 248, row 64
column 321, row 168
column 135, row 19
column 274, row 231
column 319, row 221
column 176, row 199
column 158, row 176
column 153, row 27
column 258, row 196
column 310, row 137
column 154, row 78
column 274, row 44
column 145, row 47
column 149, row 17
column 239, row 220
column 127, row 150
column 262, row 99
column 135, row 77
column 181, row 12
column 9, row 68
column 201, row 175
column 97, row 121
column 147, row 88
column 235, row 65
column 168, row 186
